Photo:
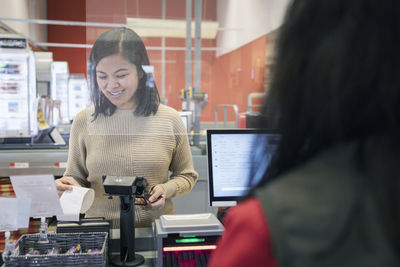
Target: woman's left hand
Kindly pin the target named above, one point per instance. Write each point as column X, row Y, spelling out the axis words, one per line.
column 156, row 200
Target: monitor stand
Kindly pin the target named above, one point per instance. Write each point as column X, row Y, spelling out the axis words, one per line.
column 127, row 256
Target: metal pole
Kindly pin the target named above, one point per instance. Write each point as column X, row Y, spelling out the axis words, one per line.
column 188, row 59
column 163, row 99
column 197, row 45
column 197, row 69
column 225, row 116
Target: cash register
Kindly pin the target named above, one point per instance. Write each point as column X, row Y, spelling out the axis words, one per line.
column 186, row 240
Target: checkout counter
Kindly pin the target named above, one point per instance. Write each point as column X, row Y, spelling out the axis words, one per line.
column 53, row 161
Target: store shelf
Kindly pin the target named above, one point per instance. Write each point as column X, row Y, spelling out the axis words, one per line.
column 53, row 161
column 33, row 161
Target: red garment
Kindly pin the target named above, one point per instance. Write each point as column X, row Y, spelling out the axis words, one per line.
column 246, row 240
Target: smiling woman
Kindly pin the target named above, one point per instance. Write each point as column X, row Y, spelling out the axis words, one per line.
column 117, row 79
column 114, row 56
column 127, row 133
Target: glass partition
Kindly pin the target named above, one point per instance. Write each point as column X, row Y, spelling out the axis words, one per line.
column 237, row 47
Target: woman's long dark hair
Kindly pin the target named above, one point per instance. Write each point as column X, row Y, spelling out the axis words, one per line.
column 336, row 79
column 127, row 43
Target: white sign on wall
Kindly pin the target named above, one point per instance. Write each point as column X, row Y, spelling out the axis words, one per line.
column 244, row 21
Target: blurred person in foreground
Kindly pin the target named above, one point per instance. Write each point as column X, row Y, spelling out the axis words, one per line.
column 331, row 194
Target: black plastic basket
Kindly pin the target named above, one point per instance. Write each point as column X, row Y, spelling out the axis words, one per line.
column 63, row 242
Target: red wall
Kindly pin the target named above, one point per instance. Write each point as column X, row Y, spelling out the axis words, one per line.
column 71, row 10
column 234, row 76
column 227, row 79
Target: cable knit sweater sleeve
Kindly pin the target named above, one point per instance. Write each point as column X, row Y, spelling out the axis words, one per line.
column 76, row 166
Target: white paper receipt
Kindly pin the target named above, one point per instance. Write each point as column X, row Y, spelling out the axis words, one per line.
column 75, row 201
column 41, row 189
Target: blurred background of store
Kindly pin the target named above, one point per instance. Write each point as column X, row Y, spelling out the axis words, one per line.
column 235, row 51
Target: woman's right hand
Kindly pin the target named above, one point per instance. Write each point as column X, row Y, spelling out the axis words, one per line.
column 65, row 183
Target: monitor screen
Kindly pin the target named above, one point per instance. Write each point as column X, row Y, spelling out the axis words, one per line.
column 186, row 117
column 17, row 94
column 230, row 155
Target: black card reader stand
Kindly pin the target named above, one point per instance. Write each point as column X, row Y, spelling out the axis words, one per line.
column 127, row 256
column 127, row 188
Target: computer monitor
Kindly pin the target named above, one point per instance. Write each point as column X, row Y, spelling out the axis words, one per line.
column 186, row 117
column 231, row 155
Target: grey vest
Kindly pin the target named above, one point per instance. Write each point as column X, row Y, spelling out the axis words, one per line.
column 322, row 214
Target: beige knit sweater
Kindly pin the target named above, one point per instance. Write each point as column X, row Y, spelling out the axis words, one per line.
column 127, row 145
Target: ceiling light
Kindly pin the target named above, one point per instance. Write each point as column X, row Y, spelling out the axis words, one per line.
column 170, row 28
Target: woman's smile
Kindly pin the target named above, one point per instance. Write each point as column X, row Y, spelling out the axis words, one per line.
column 115, row 94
